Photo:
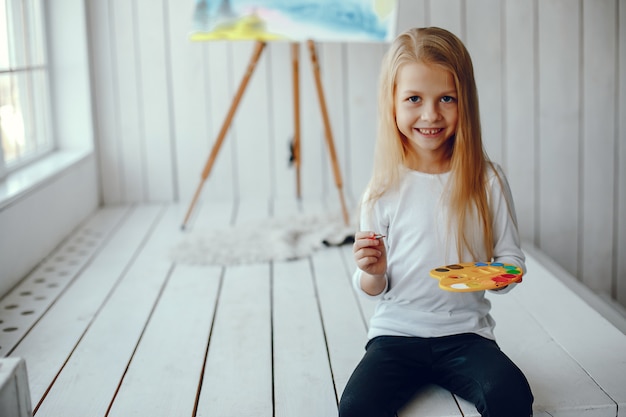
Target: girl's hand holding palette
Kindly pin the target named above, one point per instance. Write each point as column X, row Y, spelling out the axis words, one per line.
column 476, row 276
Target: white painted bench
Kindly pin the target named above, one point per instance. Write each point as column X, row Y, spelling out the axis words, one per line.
column 129, row 333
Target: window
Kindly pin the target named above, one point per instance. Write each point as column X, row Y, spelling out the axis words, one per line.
column 25, row 127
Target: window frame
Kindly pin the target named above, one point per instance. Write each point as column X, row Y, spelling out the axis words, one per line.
column 27, row 60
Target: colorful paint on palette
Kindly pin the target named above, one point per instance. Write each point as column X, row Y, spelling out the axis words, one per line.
column 476, row 276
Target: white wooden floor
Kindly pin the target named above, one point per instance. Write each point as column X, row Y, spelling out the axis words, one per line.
column 109, row 326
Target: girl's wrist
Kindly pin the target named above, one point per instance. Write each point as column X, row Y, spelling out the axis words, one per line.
column 373, row 284
column 374, row 277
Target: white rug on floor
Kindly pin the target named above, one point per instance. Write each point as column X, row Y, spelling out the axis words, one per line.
column 278, row 239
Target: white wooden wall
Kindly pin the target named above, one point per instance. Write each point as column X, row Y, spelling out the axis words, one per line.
column 552, row 82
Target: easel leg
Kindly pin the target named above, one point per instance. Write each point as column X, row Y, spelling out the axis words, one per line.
column 328, row 132
column 256, row 54
column 295, row 66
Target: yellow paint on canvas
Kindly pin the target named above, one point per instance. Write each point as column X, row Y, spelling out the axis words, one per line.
column 245, row 28
column 383, row 8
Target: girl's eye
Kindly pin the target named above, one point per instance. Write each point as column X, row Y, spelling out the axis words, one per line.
column 447, row 99
column 414, row 99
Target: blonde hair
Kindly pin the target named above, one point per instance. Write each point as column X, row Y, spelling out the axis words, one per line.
column 467, row 195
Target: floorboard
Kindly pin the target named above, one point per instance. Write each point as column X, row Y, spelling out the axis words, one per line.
column 302, row 375
column 165, row 371
column 238, row 374
column 98, row 364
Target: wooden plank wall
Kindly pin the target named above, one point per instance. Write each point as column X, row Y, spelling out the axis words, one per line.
column 551, row 76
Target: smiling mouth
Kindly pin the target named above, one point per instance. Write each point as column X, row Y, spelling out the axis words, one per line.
column 429, row 132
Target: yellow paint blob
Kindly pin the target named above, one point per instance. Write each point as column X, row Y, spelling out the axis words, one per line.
column 383, row 8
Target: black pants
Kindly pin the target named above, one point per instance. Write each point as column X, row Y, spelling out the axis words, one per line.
column 473, row 367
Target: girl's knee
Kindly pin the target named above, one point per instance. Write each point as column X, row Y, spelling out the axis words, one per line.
column 515, row 400
column 354, row 407
column 349, row 408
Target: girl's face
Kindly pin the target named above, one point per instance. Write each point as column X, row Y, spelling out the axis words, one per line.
column 426, row 113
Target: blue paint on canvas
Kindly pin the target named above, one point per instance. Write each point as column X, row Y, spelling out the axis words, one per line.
column 349, row 20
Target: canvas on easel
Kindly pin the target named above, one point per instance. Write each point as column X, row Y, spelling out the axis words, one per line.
column 291, row 21
column 295, row 20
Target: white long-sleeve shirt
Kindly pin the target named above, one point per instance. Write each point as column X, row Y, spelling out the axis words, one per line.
column 413, row 218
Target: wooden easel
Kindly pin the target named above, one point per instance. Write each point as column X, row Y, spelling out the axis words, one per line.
column 295, row 57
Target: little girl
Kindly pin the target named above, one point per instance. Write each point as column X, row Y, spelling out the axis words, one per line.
column 438, row 200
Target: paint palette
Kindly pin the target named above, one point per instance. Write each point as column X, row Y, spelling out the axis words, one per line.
column 476, row 276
